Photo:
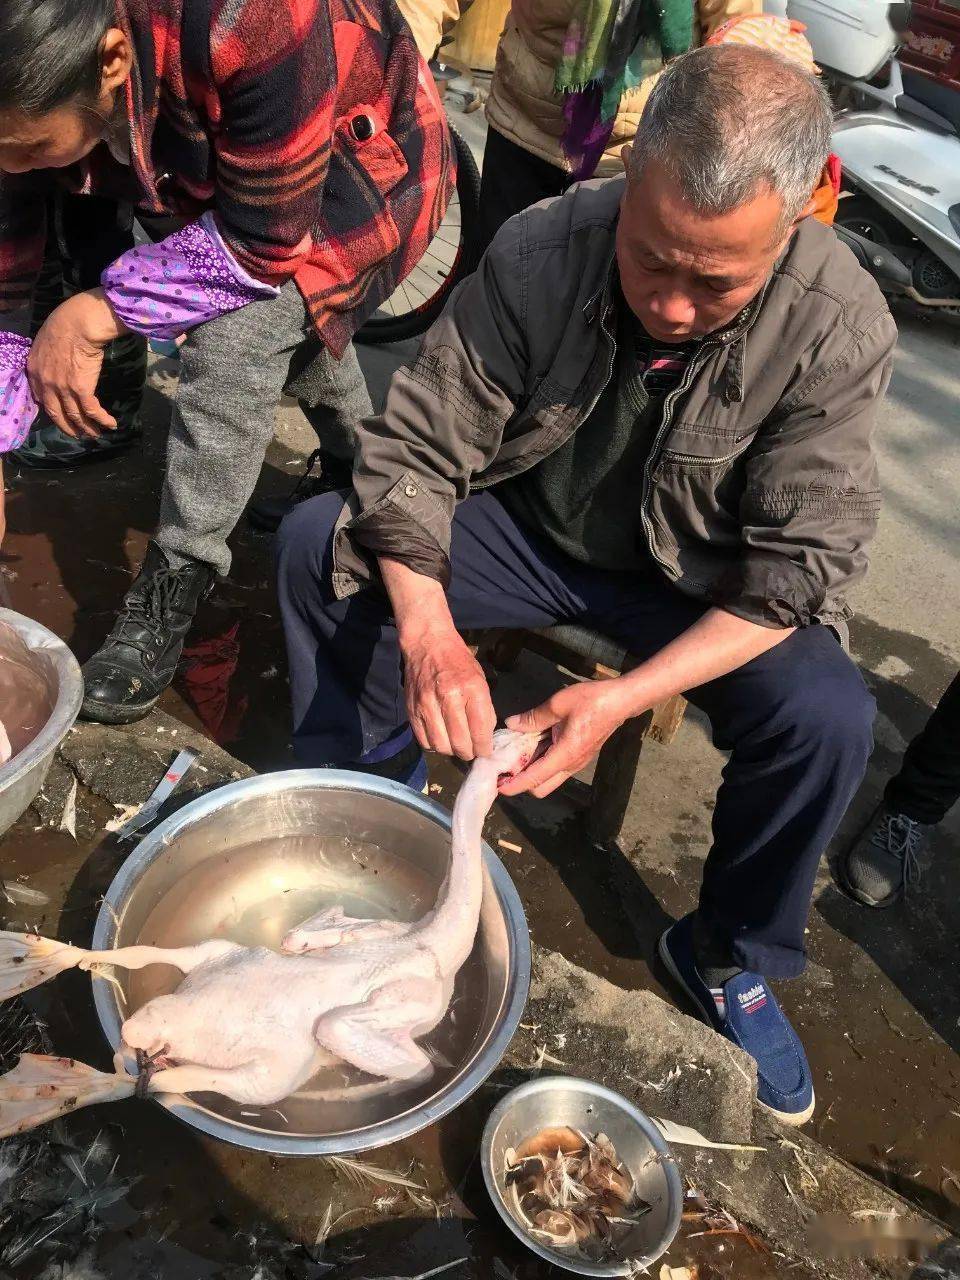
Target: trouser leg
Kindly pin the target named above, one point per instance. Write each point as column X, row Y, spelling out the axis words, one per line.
column 513, row 179
column 928, row 784
column 333, row 396
column 797, row 722
column 345, row 672
column 233, row 371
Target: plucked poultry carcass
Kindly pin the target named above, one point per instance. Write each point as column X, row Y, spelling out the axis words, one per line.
column 255, row 1025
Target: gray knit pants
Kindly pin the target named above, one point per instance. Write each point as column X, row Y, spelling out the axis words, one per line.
column 233, row 373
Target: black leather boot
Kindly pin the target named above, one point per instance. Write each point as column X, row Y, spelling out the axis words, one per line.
column 137, row 661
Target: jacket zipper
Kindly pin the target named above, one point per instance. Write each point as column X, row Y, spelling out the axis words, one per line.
column 611, row 360
column 696, row 459
column 654, row 455
column 611, row 357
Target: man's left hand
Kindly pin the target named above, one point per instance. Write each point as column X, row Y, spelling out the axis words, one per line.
column 65, row 362
column 581, row 718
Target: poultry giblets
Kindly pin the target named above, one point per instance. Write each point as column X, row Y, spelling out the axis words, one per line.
column 255, row 1025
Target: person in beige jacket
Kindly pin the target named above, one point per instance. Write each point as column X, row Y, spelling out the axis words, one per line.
column 430, row 20
column 524, row 160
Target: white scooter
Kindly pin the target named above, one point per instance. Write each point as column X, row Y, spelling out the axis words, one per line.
column 898, row 138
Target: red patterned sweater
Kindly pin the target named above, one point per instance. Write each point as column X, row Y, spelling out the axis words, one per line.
column 249, row 108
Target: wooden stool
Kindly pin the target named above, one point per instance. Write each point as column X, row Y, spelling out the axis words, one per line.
column 588, row 654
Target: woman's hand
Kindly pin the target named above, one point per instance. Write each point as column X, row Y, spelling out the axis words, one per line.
column 65, row 362
column 582, row 717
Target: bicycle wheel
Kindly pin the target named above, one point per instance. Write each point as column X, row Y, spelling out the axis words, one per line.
column 414, row 305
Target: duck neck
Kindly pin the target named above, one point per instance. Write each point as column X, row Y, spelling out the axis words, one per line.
column 450, row 930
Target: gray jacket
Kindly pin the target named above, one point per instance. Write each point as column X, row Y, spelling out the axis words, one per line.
column 760, row 493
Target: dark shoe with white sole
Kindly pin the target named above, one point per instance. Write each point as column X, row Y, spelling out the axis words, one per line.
column 137, row 661
column 745, row 1012
column 884, row 859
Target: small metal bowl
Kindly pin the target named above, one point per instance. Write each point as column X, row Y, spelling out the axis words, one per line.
column 251, row 860
column 589, row 1108
column 22, row 777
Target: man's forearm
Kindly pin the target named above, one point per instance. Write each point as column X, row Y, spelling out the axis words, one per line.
column 419, row 603
column 715, row 645
column 448, row 699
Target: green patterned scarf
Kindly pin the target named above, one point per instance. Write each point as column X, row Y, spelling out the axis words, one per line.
column 614, row 44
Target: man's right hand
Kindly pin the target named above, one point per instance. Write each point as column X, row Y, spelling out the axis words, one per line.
column 448, row 698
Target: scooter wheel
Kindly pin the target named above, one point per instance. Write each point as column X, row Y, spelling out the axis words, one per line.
column 867, row 219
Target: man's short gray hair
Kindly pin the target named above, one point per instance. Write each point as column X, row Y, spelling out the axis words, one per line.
column 727, row 120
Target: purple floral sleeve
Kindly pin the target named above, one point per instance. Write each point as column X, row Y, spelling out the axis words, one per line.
column 17, row 405
column 162, row 290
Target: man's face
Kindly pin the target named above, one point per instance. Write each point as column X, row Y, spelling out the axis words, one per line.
column 685, row 274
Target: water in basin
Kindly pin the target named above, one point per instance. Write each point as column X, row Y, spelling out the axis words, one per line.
column 27, row 693
column 256, row 893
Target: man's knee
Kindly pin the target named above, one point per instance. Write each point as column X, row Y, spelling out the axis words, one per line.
column 304, row 547
column 831, row 710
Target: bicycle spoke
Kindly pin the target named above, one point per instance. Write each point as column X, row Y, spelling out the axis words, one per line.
column 436, row 258
column 425, row 295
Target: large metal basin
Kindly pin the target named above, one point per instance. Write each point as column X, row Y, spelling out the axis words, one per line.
column 252, row 859
column 22, row 777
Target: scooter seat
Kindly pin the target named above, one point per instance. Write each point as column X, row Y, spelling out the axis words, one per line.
column 935, row 97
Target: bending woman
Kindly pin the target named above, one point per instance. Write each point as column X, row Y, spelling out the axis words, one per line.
column 302, row 147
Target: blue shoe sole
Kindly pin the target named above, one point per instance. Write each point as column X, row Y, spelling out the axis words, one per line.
column 792, row 1118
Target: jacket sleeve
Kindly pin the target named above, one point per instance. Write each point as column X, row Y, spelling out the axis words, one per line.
column 274, row 73
column 162, row 290
column 17, row 405
column 444, row 419
column 812, row 498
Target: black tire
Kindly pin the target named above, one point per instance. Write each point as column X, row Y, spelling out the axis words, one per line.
column 407, row 320
column 867, row 219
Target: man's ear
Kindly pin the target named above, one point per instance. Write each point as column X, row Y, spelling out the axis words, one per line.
column 626, row 151
column 808, row 209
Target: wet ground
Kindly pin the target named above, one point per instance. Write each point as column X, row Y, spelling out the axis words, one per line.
column 126, row 1192
column 879, row 1007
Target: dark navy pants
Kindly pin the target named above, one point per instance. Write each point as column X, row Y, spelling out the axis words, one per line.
column 797, row 720
column 928, row 784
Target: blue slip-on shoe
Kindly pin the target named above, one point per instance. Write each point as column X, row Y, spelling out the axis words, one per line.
column 750, row 1019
